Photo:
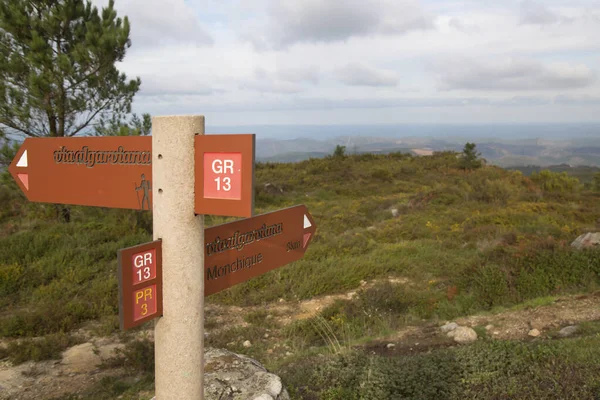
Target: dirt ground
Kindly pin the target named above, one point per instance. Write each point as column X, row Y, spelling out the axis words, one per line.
column 78, row 368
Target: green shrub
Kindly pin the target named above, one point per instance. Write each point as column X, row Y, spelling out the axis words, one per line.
column 38, row 349
column 494, row 191
column 10, row 279
column 136, row 357
column 382, row 175
column 490, row 285
column 484, row 370
column 596, row 182
column 555, row 182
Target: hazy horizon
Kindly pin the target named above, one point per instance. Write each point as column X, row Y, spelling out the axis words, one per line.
column 512, row 131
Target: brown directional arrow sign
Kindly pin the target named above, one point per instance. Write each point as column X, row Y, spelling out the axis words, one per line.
column 116, row 172
column 238, row 251
column 91, row 171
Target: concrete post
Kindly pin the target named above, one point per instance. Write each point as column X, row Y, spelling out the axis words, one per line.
column 179, row 334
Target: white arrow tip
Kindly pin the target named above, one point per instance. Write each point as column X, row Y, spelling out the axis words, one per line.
column 307, row 223
column 23, row 160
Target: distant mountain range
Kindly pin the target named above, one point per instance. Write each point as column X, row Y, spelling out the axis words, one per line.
column 541, row 152
column 500, row 144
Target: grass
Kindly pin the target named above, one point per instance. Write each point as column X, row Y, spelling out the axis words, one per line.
column 109, row 388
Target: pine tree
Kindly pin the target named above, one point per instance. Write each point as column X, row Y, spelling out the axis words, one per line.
column 57, row 66
column 117, row 126
column 470, row 157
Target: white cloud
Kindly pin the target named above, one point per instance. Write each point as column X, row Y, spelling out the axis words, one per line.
column 462, row 26
column 291, row 61
column 315, row 21
column 265, row 81
column 535, row 13
column 517, row 74
column 360, row 75
column 308, row 74
column 160, row 22
column 578, row 100
column 170, row 85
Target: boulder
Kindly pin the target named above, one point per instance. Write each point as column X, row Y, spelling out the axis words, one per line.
column 587, row 240
column 534, row 333
column 567, row 331
column 463, row 334
column 449, row 327
column 231, row 376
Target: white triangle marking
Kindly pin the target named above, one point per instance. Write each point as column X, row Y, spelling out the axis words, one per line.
column 307, row 223
column 23, row 160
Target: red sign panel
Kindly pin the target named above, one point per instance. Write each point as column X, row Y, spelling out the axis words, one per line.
column 89, row 171
column 224, row 173
column 143, row 266
column 140, row 284
column 144, row 302
column 241, row 250
column 223, row 176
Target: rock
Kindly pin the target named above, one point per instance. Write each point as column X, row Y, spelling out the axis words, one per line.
column 390, row 345
column 463, row 334
column 567, row 331
column 247, row 343
column 489, row 327
column 534, row 333
column 587, row 240
column 394, row 212
column 371, row 228
column 233, row 376
column 449, row 327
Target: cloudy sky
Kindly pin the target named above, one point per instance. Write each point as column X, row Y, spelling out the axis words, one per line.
column 242, row 62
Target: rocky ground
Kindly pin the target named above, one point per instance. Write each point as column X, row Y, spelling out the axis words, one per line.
column 79, row 367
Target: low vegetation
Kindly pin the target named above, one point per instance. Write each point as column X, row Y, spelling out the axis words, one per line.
column 461, row 239
column 489, row 369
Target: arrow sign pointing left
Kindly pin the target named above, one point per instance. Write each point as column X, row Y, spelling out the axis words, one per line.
column 100, row 171
column 241, row 250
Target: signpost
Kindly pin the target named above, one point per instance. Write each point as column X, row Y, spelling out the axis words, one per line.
column 140, row 284
column 180, row 174
column 233, row 253
column 116, row 172
column 238, row 251
column 111, row 171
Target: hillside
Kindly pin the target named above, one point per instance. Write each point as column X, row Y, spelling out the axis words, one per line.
column 416, row 240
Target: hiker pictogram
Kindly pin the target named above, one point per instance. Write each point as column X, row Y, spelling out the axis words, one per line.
column 145, row 187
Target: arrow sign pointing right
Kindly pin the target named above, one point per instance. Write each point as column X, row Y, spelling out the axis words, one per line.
column 241, row 250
